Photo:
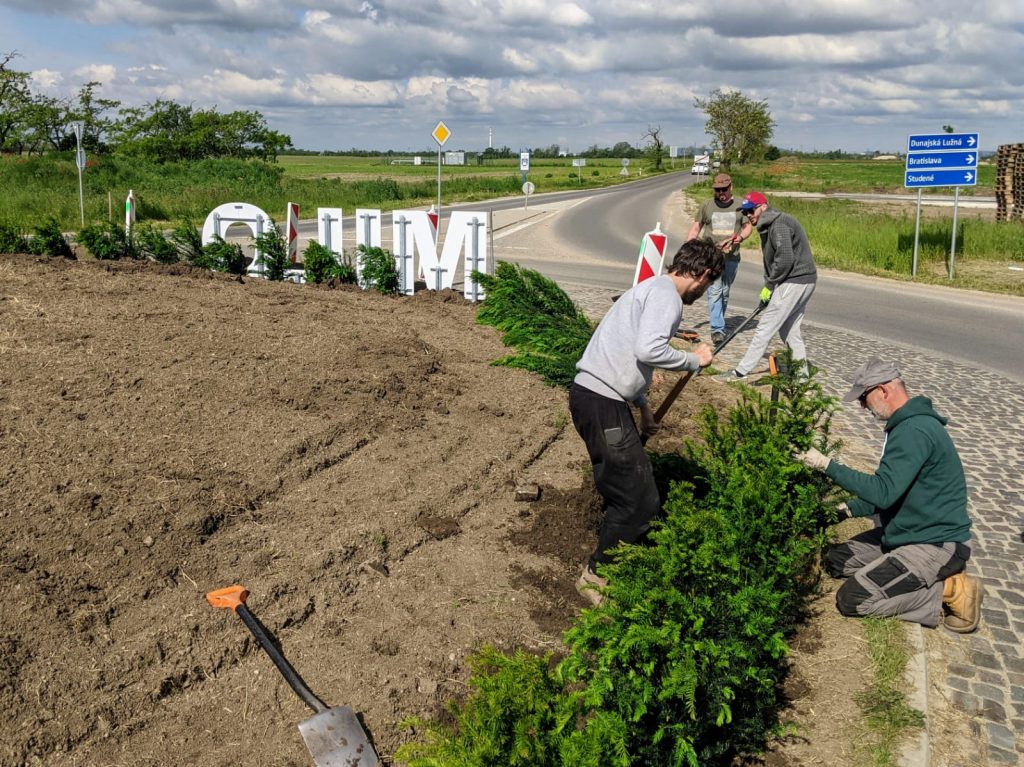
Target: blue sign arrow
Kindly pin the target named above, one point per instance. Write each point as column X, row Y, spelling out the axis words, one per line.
column 925, row 178
column 936, row 160
column 932, row 142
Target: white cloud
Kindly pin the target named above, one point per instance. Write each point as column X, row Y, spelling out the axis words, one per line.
column 593, row 68
column 47, row 79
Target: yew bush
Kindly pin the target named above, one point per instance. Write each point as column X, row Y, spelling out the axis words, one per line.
column 683, row 662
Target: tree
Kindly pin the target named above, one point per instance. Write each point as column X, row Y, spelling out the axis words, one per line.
column 165, row 131
column 948, row 128
column 15, row 99
column 741, row 127
column 655, row 146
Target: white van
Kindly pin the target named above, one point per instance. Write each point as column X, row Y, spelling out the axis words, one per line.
column 699, row 168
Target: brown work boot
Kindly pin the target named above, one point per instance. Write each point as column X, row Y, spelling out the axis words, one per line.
column 589, row 583
column 961, row 598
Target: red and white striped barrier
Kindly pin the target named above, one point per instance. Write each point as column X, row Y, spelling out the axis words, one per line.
column 651, row 261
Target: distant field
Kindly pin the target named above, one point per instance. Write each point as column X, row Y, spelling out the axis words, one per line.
column 35, row 188
column 547, row 175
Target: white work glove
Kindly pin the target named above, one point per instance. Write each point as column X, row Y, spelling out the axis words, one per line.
column 813, row 459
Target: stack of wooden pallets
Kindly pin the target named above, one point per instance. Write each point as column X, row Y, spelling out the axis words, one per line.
column 1010, row 182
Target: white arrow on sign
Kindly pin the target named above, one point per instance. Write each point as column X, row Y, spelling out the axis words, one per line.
column 970, row 140
column 969, row 159
column 968, row 177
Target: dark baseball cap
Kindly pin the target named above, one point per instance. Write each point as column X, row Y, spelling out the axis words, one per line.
column 872, row 373
column 752, row 200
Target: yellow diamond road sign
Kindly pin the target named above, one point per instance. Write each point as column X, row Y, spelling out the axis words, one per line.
column 441, row 133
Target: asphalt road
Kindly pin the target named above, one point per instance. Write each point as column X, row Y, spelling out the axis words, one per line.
column 981, row 329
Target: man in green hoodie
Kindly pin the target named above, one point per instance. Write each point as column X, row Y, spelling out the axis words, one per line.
column 911, row 566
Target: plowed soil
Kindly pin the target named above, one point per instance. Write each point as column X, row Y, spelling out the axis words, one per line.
column 352, row 459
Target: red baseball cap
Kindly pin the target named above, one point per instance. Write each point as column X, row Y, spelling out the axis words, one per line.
column 752, row 200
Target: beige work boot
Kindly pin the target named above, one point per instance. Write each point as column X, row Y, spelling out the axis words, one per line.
column 589, row 583
column 961, row 598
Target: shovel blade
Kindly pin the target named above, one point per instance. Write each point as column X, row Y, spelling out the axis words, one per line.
column 335, row 738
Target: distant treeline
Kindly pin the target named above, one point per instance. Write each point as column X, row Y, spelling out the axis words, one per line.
column 162, row 131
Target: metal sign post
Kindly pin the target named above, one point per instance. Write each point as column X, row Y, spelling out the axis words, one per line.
column 441, row 135
column 940, row 159
column 524, row 164
column 528, row 189
column 578, row 164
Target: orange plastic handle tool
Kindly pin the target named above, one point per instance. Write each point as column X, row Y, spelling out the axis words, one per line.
column 232, row 597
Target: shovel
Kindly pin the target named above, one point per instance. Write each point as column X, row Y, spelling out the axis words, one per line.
column 333, row 736
column 685, row 379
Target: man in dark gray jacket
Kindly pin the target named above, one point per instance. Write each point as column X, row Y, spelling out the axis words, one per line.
column 789, row 280
column 614, row 373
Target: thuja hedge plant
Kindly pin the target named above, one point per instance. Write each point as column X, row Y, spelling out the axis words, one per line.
column 683, row 662
column 536, row 317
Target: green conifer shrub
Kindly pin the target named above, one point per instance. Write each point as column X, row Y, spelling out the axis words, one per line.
column 49, row 240
column 683, row 663
column 107, row 241
column 151, row 243
column 223, row 256
column 378, row 269
column 11, row 240
column 273, row 252
column 538, row 319
column 321, row 264
column 189, row 242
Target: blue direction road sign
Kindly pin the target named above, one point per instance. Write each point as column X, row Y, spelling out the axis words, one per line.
column 937, row 142
column 936, row 160
column 922, row 178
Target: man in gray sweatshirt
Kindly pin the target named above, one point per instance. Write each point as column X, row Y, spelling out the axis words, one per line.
column 615, row 372
column 789, row 280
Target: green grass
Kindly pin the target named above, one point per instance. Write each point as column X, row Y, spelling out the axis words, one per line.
column 35, row 188
column 888, row 718
column 879, row 240
column 880, row 176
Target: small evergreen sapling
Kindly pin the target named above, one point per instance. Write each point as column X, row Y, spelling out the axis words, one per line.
column 538, row 319
column 321, row 264
column 107, row 241
column 11, row 241
column 49, row 240
column 151, row 243
column 223, row 256
column 189, row 243
column 378, row 269
column 273, row 252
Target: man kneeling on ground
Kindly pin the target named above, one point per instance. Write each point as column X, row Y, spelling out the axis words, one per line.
column 912, row 565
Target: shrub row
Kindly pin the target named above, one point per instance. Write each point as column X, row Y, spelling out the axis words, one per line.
column 47, row 240
column 110, row 241
column 683, row 662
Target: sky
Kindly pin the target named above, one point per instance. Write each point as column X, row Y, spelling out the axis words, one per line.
column 856, row 75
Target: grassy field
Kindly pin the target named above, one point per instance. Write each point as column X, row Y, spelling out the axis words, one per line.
column 34, row 189
column 880, row 176
column 870, row 239
column 878, row 238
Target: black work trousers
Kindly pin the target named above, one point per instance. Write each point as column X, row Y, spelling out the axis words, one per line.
column 622, row 471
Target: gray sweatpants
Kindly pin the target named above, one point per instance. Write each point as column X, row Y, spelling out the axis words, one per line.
column 783, row 315
column 905, row 582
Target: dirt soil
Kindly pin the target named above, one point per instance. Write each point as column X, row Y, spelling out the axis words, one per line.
column 352, row 459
